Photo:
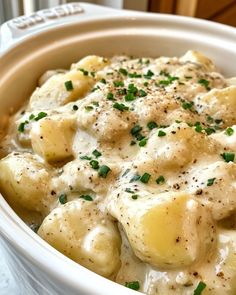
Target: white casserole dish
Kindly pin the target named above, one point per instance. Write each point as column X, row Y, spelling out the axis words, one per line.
column 54, row 39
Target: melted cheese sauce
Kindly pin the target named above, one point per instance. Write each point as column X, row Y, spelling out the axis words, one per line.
column 127, row 166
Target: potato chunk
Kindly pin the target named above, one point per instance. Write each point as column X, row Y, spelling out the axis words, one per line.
column 53, row 93
column 52, row 137
column 168, row 230
column 219, row 103
column 25, row 181
column 79, row 230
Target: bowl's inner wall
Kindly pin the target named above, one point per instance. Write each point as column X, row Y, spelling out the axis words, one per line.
column 59, row 47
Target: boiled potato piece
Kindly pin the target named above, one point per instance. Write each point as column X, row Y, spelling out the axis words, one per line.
column 181, row 145
column 25, row 181
column 53, row 93
column 219, row 195
column 228, row 141
column 219, row 103
column 168, row 230
column 51, row 137
column 91, row 63
column 197, row 57
column 82, row 233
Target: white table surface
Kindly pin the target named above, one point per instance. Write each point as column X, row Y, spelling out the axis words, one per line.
column 7, row 283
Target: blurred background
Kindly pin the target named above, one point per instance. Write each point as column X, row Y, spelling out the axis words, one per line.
column 223, row 11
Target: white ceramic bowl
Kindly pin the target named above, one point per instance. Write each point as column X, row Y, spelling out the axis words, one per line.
column 55, row 38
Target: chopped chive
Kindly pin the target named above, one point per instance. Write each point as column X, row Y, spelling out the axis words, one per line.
column 126, row 172
column 145, row 177
column 132, row 88
column 133, row 285
column 210, row 181
column 96, row 153
column 21, row 127
column 210, row 119
column 84, row 72
column 85, row 158
column 134, row 197
column 228, row 157
column 142, row 93
column 135, row 178
column 121, row 91
column 148, row 75
column 198, row 128
column 123, row 71
column 110, row 96
column 151, row 125
column 120, row 106
column 31, row 117
column 75, row 107
column 200, row 287
column 229, row 131
column 94, row 164
column 40, row 116
column 136, row 129
column 161, row 133
column 103, row 171
column 145, row 84
column 130, row 97
column 88, row 108
column 118, row 83
column 143, row 142
column 92, row 74
column 86, row 197
column 63, row 198
column 128, row 190
column 103, row 81
column 209, row 130
column 69, row 85
column 204, row 83
column 132, row 142
column 134, row 75
column 218, row 121
column 160, row 179
column 187, row 105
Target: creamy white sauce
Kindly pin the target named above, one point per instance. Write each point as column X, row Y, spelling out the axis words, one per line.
column 71, row 155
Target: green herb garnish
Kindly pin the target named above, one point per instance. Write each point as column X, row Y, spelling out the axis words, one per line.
column 62, row 198
column 86, row 197
column 103, row 171
column 118, row 83
column 84, row 72
column 94, row 164
column 210, row 181
column 85, row 158
column 135, row 178
column 136, row 129
column 160, row 179
column 228, row 157
column 152, row 125
column 145, row 177
column 161, row 133
column 133, row 285
column 96, row 153
column 143, row 142
column 40, row 116
column 200, row 287
column 229, row 131
column 103, row 81
column 204, row 83
column 120, row 106
column 123, row 71
column 69, row 85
